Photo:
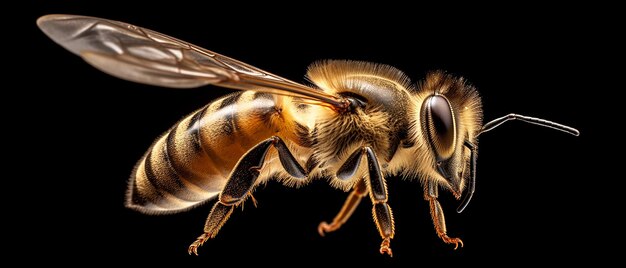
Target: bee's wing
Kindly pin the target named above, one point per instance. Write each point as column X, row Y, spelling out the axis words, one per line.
column 141, row 55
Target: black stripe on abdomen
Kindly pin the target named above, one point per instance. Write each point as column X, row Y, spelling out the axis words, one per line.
column 189, row 150
column 162, row 175
column 231, row 117
column 193, row 128
column 152, row 179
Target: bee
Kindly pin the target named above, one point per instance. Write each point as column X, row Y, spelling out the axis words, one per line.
column 356, row 124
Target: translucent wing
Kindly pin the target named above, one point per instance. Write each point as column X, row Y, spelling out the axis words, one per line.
column 145, row 56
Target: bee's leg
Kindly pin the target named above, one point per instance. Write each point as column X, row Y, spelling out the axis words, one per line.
column 241, row 182
column 359, row 191
column 217, row 217
column 378, row 193
column 431, row 193
column 377, row 187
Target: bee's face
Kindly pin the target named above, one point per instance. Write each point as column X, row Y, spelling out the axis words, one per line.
column 449, row 117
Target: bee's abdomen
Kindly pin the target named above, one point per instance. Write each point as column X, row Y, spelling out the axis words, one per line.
column 191, row 162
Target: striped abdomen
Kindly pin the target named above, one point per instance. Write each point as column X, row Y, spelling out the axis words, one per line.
column 191, row 162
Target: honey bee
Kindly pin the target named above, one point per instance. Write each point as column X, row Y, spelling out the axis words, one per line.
column 355, row 125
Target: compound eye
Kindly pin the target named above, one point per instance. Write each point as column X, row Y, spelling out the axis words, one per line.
column 439, row 125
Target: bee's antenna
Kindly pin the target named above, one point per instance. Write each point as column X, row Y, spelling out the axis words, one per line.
column 537, row 121
column 493, row 124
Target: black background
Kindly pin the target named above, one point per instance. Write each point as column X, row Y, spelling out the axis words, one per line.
column 534, row 200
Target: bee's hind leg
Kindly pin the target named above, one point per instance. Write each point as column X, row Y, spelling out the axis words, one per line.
column 217, row 217
column 241, row 182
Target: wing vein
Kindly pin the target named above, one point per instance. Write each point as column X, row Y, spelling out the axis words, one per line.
column 145, row 56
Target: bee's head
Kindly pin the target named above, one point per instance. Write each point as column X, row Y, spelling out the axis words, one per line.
column 450, row 117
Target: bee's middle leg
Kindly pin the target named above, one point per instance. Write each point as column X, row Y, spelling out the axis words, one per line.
column 376, row 187
column 241, row 182
column 378, row 193
column 353, row 200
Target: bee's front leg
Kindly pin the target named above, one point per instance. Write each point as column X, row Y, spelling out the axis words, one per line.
column 436, row 212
